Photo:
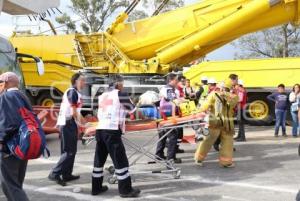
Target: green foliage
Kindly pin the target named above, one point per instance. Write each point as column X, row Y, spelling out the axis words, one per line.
column 282, row 41
column 93, row 13
column 65, row 19
column 150, row 6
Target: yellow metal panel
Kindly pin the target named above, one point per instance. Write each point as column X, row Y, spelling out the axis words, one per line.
column 55, row 76
column 50, row 48
column 263, row 73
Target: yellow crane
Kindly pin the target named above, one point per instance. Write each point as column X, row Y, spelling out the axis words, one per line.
column 152, row 46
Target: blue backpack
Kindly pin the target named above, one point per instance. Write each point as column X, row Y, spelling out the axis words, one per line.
column 30, row 141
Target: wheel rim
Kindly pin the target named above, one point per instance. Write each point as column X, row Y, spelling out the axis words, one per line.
column 258, row 110
column 47, row 102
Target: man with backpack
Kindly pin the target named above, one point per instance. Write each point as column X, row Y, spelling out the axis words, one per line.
column 220, row 108
column 12, row 169
column 68, row 120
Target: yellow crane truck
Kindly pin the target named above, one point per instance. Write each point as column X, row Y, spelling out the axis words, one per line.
column 146, row 50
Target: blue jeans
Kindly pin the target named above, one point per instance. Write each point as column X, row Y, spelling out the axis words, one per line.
column 295, row 119
column 280, row 121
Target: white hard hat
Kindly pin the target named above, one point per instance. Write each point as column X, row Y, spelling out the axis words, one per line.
column 211, row 81
column 241, row 82
column 204, row 78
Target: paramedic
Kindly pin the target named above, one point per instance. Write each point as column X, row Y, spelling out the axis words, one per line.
column 113, row 105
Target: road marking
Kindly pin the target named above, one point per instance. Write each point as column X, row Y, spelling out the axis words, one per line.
column 234, row 198
column 75, row 196
column 51, row 190
column 48, row 161
column 240, row 184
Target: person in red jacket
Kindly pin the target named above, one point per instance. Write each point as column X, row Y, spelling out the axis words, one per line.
column 242, row 94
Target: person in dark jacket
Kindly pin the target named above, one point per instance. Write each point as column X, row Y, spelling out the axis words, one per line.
column 12, row 169
column 281, row 105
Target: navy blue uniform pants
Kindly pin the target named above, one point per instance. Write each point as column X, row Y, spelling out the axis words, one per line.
column 69, row 137
column 110, row 142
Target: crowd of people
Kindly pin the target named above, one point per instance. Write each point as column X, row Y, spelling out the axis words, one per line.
column 222, row 102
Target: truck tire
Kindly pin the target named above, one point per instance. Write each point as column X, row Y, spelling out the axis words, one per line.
column 260, row 111
column 45, row 99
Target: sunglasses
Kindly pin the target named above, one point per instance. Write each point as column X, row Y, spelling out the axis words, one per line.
column 1, row 81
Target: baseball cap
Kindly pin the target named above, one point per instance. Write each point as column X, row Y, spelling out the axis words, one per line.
column 241, row 82
column 9, row 77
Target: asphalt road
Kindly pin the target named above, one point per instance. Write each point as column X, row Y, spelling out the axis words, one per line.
column 267, row 169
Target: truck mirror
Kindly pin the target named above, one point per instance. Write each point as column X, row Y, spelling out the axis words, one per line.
column 40, row 66
column 39, row 62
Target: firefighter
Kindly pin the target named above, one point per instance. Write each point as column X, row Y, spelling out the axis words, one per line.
column 113, row 106
column 234, row 81
column 68, row 120
column 220, row 107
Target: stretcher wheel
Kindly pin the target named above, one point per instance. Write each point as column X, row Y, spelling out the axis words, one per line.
column 112, row 180
column 177, row 174
column 194, row 126
column 111, row 170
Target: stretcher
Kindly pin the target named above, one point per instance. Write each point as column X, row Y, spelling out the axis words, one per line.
column 138, row 127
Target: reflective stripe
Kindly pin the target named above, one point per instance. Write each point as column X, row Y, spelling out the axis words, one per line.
column 98, row 175
column 119, row 171
column 123, row 176
column 98, row 169
column 199, row 157
column 225, row 159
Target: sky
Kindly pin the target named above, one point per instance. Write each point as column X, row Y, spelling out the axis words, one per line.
column 9, row 23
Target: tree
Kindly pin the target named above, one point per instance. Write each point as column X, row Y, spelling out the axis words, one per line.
column 66, row 20
column 93, row 13
column 150, row 6
column 282, row 41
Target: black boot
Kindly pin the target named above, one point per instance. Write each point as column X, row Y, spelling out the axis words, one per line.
column 132, row 194
column 71, row 178
column 57, row 179
column 97, row 187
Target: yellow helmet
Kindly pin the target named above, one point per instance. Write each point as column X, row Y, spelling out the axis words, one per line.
column 228, row 83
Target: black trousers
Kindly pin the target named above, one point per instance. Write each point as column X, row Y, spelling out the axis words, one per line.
column 172, row 144
column 110, row 142
column 241, row 123
column 12, row 176
column 180, row 136
column 69, row 137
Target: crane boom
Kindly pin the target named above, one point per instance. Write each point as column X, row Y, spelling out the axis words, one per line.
column 160, row 43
